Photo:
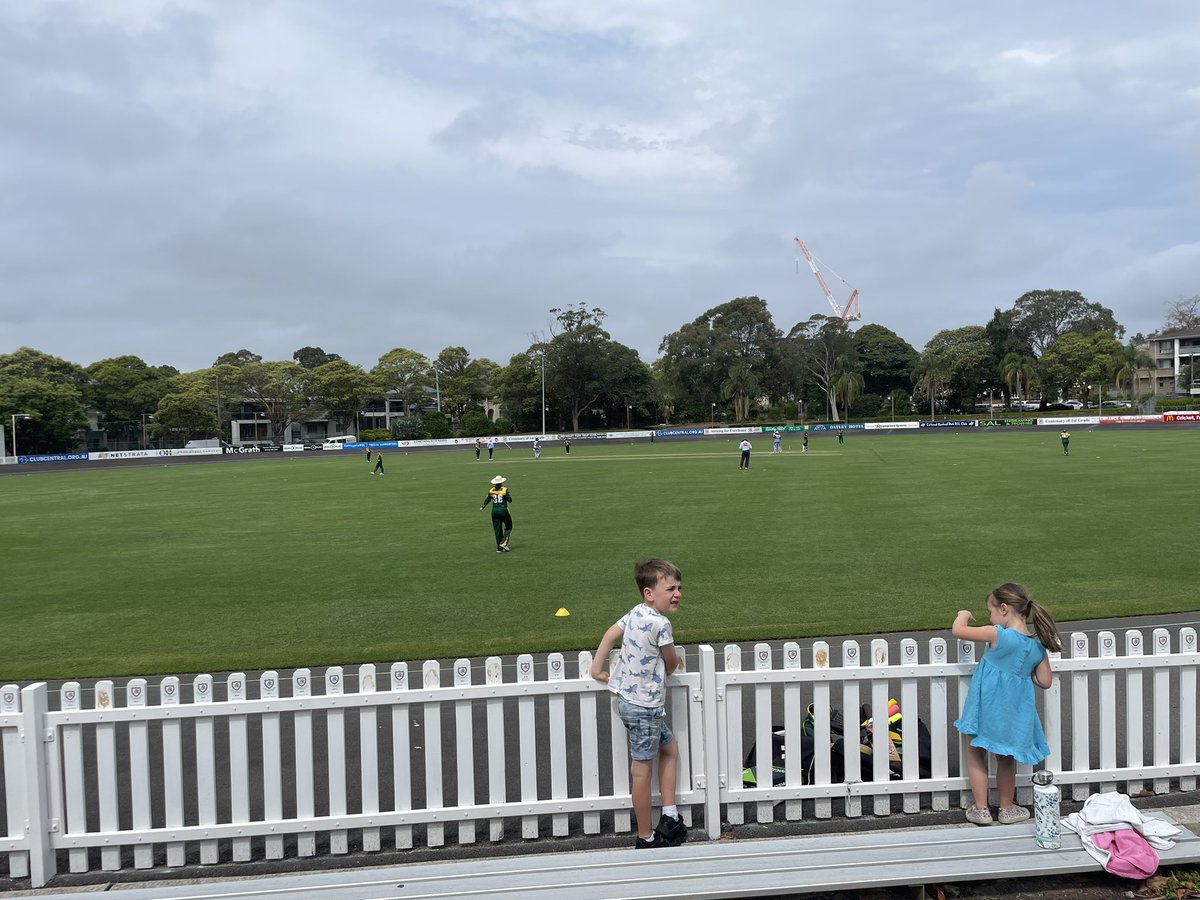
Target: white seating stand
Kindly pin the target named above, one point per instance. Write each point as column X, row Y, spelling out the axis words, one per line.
column 747, row 868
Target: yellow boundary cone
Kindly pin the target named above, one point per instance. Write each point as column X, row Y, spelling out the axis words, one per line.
column 562, row 612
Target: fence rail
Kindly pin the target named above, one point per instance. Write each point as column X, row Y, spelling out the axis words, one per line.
column 171, row 772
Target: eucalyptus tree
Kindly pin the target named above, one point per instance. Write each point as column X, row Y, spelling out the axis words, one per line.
column 1041, row 316
column 584, row 364
column 280, row 388
column 699, row 357
column 406, row 373
column 886, row 359
column 967, row 353
column 341, row 389
column 1073, row 361
column 815, row 346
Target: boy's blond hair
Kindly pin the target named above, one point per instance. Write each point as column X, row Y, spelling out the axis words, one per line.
column 648, row 574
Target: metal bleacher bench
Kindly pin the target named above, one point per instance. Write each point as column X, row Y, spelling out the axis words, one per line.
column 746, row 868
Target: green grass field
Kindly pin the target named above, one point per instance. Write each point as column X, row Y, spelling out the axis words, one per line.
column 280, row 562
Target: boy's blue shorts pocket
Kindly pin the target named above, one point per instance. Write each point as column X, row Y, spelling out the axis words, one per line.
column 647, row 727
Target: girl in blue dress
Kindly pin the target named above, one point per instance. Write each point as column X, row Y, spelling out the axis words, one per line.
column 1000, row 715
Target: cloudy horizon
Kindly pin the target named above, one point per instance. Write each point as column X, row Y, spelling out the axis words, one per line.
column 185, row 178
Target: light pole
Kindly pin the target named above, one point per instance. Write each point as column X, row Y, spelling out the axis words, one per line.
column 714, row 415
column 16, row 416
column 628, row 415
column 437, row 384
column 145, row 416
column 893, row 406
column 543, row 392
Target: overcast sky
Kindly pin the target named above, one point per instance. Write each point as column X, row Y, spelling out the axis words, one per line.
column 182, row 178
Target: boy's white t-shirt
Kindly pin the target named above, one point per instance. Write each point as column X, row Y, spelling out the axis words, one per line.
column 639, row 673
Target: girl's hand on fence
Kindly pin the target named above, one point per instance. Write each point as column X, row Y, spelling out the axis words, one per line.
column 600, row 676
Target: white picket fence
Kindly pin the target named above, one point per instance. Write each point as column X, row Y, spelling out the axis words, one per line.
column 176, row 774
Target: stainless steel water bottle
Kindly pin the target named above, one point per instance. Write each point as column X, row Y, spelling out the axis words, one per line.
column 1046, row 810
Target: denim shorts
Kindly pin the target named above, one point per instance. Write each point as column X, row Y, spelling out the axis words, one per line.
column 647, row 727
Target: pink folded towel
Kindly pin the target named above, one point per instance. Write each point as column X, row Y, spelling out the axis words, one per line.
column 1131, row 856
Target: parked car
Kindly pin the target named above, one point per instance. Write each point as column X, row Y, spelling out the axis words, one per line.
column 1074, row 404
column 1058, row 407
column 1115, row 404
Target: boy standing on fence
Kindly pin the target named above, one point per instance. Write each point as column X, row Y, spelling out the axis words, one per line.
column 647, row 656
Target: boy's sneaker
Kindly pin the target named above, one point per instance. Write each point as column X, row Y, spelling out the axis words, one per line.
column 1013, row 815
column 672, row 832
column 980, row 816
column 640, row 843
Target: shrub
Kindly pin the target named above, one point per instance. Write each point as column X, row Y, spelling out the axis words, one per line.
column 407, row 428
column 475, row 423
column 375, row 434
column 436, row 425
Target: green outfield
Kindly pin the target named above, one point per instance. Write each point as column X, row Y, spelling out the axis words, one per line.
column 289, row 561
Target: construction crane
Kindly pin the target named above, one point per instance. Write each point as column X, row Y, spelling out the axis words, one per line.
column 850, row 312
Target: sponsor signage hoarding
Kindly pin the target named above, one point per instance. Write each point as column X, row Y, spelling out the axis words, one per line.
column 837, row 426
column 950, row 423
column 1181, row 417
column 1068, row 420
column 676, row 432
column 50, row 458
column 881, row 426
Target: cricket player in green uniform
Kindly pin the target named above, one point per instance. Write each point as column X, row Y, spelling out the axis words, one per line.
column 500, row 498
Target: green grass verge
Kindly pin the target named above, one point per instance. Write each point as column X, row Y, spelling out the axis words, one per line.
column 311, row 561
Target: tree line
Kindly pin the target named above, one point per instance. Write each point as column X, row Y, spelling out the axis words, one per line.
column 731, row 363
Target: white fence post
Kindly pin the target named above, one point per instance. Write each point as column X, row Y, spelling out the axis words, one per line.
column 822, row 737
column 764, row 733
column 239, row 765
column 710, row 779
column 368, row 757
column 106, row 775
column 401, row 758
column 1162, row 709
column 589, row 735
column 939, row 722
column 793, row 714
column 1134, row 716
column 172, row 742
column 851, row 717
column 966, row 654
column 1107, row 709
column 139, row 772
column 464, row 742
column 335, row 743
column 306, row 843
column 880, row 739
column 732, row 758
column 909, row 721
column 37, row 740
column 268, row 689
column 10, row 704
column 555, row 671
column 528, row 743
column 1080, row 718
column 1187, row 709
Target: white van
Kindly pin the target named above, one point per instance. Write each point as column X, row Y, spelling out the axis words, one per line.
column 342, row 439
